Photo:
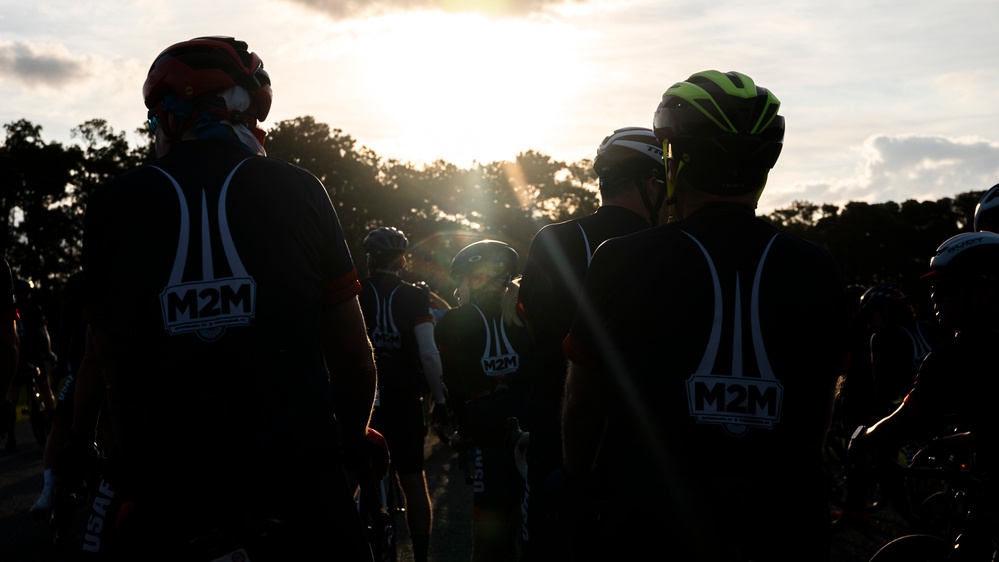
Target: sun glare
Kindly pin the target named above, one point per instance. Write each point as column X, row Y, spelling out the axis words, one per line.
column 477, row 88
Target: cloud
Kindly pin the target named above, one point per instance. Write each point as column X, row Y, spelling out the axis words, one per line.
column 903, row 167
column 40, row 64
column 363, row 8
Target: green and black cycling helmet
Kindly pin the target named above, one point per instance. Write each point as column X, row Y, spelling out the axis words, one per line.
column 987, row 211
column 498, row 257
column 967, row 255
column 385, row 240
column 192, row 69
column 722, row 129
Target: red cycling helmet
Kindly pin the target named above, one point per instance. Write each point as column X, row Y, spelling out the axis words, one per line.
column 203, row 65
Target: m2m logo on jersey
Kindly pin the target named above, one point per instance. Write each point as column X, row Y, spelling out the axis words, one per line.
column 385, row 335
column 499, row 358
column 734, row 401
column 209, row 305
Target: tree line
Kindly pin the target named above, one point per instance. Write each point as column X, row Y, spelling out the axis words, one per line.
column 44, row 188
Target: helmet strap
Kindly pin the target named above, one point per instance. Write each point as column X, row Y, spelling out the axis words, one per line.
column 652, row 207
column 671, row 198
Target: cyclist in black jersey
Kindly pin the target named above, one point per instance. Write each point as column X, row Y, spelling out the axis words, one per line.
column 898, row 342
column 35, row 352
column 987, row 211
column 704, row 353
column 632, row 173
column 485, row 349
column 222, row 306
column 70, row 343
column 9, row 344
column 964, row 280
column 401, row 329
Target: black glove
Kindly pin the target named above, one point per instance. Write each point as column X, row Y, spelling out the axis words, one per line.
column 369, row 459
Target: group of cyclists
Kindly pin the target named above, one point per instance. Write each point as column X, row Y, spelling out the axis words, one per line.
column 674, row 361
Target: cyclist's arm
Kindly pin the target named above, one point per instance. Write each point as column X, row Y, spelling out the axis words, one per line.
column 430, row 358
column 351, row 363
column 584, row 420
column 90, row 390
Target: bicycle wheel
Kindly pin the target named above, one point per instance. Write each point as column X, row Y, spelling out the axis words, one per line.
column 379, row 521
column 914, row 548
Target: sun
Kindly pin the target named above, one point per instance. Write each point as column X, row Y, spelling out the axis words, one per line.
column 465, row 87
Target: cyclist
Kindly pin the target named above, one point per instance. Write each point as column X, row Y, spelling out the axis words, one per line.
column 72, row 332
column 485, row 348
column 964, row 280
column 401, row 329
column 35, row 352
column 222, row 306
column 629, row 164
column 9, row 344
column 987, row 211
column 703, row 382
column 897, row 344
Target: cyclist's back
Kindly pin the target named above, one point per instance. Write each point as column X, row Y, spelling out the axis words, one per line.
column 222, row 302
column 710, row 347
column 401, row 329
column 629, row 164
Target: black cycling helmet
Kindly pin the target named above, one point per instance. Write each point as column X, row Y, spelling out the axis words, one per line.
column 384, row 240
column 500, row 256
column 879, row 296
column 632, row 151
column 987, row 211
column 192, row 69
column 723, row 130
column 23, row 286
column 969, row 254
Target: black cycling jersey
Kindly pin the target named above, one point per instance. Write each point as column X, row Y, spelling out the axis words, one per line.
column 896, row 352
column 392, row 308
column 484, row 362
column 949, row 389
column 553, row 279
column 719, row 340
column 208, row 270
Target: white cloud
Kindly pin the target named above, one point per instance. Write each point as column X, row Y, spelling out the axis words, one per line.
column 41, row 64
column 903, row 167
column 364, row 8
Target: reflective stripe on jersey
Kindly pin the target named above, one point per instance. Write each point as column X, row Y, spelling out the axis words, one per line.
column 722, row 399
column 586, row 243
column 499, row 357
column 385, row 334
column 206, row 306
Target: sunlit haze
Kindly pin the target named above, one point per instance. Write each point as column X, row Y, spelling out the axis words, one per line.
column 883, row 101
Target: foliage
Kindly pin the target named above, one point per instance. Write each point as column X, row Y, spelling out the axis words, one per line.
column 44, row 188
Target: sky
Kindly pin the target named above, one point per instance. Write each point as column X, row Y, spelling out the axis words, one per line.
column 884, row 101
